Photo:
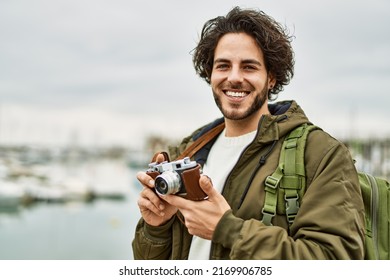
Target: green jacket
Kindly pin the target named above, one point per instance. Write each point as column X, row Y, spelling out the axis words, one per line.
column 329, row 224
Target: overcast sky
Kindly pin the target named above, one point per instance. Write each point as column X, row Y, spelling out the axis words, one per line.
column 102, row 72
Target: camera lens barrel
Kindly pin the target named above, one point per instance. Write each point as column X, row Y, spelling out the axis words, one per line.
column 168, row 182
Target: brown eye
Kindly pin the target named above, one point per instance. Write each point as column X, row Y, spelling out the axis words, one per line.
column 249, row 67
column 222, row 66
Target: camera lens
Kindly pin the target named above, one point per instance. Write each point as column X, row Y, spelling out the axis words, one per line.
column 162, row 185
column 167, row 183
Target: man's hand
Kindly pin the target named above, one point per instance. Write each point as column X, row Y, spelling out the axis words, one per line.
column 154, row 210
column 201, row 217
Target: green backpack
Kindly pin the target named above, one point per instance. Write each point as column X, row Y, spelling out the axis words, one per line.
column 286, row 186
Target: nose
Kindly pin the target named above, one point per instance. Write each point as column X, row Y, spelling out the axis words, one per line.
column 235, row 75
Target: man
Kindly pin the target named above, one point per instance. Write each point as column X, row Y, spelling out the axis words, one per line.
column 247, row 58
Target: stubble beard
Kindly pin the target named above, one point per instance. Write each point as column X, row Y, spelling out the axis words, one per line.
column 234, row 114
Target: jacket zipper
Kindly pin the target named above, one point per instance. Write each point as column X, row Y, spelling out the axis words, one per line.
column 261, row 162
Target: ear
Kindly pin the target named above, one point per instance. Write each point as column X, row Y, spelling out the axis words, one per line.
column 271, row 80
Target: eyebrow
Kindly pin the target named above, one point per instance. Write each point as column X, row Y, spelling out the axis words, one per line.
column 245, row 61
column 252, row 61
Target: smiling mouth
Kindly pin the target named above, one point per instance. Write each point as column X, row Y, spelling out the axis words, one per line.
column 236, row 94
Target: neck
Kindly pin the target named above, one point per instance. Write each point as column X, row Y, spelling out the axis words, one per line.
column 236, row 128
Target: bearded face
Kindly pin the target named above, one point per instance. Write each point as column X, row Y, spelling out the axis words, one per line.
column 239, row 80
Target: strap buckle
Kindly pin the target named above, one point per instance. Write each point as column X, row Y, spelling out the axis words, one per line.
column 292, row 207
column 267, row 218
column 272, row 183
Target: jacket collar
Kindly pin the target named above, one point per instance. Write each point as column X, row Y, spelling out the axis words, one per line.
column 285, row 116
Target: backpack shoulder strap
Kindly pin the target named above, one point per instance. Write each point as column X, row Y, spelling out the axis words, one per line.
column 289, row 176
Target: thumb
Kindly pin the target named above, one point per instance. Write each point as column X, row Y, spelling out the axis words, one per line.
column 160, row 158
column 207, row 185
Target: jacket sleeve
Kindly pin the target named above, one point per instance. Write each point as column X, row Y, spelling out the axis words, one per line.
column 329, row 224
column 152, row 242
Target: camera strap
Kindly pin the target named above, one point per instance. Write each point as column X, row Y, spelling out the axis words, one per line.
column 202, row 141
column 196, row 145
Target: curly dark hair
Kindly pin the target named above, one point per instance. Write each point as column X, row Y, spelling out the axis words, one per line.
column 272, row 38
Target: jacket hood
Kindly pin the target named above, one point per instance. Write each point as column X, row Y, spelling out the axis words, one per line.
column 285, row 116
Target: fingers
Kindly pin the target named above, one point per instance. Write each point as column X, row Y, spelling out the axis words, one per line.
column 206, row 185
column 148, row 200
column 145, row 179
column 175, row 200
column 146, row 205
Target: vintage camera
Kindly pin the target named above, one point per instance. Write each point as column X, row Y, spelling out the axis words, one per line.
column 179, row 177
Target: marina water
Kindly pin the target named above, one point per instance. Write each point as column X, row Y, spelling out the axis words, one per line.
column 76, row 229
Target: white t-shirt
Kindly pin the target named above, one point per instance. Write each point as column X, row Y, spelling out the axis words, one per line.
column 220, row 161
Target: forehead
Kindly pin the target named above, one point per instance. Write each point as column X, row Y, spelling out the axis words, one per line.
column 238, row 46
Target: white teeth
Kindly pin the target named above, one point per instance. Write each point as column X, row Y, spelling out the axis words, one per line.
column 236, row 93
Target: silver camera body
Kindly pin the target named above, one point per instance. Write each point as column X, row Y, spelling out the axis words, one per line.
column 170, row 178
